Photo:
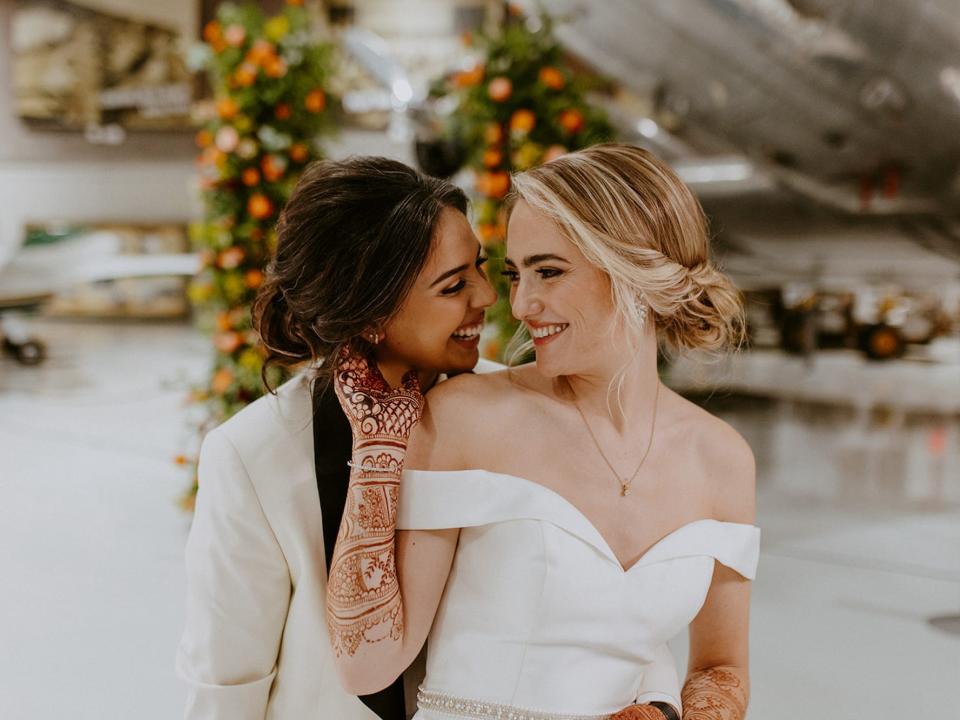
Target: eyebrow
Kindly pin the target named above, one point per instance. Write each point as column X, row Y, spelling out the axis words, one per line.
column 534, row 259
column 455, row 271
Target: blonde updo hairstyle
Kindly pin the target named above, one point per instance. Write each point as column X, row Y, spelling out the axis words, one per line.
column 630, row 215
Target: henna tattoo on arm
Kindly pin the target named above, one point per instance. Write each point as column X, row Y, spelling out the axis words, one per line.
column 363, row 590
column 717, row 693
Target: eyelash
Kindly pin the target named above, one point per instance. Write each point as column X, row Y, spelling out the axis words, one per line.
column 545, row 273
column 463, row 283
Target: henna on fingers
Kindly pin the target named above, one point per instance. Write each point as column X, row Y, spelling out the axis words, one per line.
column 363, row 592
column 717, row 693
column 374, row 410
column 640, row 712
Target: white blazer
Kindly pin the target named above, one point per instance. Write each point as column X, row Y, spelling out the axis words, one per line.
column 255, row 645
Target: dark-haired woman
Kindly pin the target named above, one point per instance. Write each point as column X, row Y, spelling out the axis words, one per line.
column 371, row 256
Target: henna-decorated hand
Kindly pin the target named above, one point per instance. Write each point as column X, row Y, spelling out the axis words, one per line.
column 639, row 712
column 716, row 693
column 372, row 407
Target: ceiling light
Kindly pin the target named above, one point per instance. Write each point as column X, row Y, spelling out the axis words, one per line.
column 648, row 128
column 950, row 82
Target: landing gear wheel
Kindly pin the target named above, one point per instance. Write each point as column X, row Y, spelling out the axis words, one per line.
column 29, row 352
column 882, row 342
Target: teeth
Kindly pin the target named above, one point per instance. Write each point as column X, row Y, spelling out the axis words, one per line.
column 547, row 330
column 469, row 332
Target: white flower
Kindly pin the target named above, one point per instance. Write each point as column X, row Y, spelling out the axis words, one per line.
column 227, row 138
column 247, row 148
column 273, row 140
column 198, row 55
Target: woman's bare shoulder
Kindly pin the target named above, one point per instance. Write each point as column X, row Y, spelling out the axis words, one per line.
column 724, row 458
column 462, row 418
column 480, row 392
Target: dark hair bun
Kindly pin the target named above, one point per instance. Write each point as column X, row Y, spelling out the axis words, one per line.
column 351, row 241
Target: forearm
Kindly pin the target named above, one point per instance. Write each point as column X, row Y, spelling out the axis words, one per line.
column 716, row 693
column 364, row 603
column 365, row 613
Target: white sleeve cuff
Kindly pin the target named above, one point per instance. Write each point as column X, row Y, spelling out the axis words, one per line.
column 244, row 701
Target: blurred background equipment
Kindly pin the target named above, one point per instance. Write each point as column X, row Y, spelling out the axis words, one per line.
column 130, row 271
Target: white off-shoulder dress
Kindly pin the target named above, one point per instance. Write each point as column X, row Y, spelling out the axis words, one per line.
column 539, row 620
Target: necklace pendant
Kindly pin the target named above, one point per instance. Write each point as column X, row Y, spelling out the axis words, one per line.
column 624, row 489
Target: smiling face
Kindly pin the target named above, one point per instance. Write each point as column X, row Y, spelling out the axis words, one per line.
column 563, row 299
column 437, row 328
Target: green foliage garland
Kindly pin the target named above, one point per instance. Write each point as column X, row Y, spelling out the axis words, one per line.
column 268, row 76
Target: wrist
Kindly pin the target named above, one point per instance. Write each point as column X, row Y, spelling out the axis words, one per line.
column 668, row 711
column 380, row 438
column 379, row 449
column 644, row 711
column 380, row 459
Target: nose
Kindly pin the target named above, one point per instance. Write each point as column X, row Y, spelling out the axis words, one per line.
column 524, row 303
column 485, row 294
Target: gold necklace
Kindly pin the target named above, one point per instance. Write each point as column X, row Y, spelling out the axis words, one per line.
column 625, row 483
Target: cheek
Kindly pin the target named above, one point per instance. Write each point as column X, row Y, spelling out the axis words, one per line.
column 440, row 329
column 592, row 314
column 429, row 338
column 584, row 308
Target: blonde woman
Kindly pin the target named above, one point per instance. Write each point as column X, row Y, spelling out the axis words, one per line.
column 565, row 518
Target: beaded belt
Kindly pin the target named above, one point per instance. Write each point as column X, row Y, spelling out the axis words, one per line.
column 469, row 708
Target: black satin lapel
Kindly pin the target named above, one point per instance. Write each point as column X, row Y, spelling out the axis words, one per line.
column 332, row 445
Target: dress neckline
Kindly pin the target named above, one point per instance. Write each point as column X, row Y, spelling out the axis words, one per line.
column 596, row 537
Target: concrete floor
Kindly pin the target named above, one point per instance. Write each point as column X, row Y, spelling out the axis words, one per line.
column 861, row 541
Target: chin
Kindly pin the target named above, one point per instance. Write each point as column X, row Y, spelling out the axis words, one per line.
column 460, row 359
column 463, row 364
column 550, row 369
